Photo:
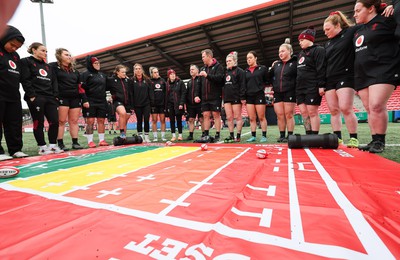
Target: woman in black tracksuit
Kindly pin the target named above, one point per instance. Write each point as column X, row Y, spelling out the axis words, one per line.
column 234, row 95
column 339, row 91
column 376, row 67
column 120, row 88
column 143, row 100
column 176, row 94
column 158, row 110
column 70, row 95
column 93, row 82
column 256, row 80
column 10, row 97
column 41, row 95
column 283, row 75
column 310, row 82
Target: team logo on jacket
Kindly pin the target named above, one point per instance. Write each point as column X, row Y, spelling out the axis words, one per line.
column 158, row 85
column 301, row 60
column 42, row 72
column 12, row 64
column 228, row 78
column 360, row 41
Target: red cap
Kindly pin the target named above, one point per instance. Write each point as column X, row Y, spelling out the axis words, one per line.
column 308, row 34
column 170, row 71
column 93, row 60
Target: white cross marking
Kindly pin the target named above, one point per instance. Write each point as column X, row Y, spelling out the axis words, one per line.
column 175, row 203
column 143, row 178
column 276, row 169
column 189, row 160
column 111, row 192
column 50, row 184
column 278, row 161
column 80, row 187
column 94, row 173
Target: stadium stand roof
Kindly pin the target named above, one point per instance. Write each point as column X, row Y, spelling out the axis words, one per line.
column 261, row 28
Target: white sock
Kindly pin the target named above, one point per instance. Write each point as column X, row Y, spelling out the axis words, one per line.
column 52, row 145
column 155, row 134
column 89, row 138
column 162, row 134
column 43, row 147
column 101, row 137
column 173, row 135
column 180, row 135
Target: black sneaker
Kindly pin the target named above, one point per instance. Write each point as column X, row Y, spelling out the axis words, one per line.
column 377, row 147
column 365, row 147
column 281, row 140
column 229, row 139
column 63, row 147
column 76, row 146
column 189, row 138
column 216, row 139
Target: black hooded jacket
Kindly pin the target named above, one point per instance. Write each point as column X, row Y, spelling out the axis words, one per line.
column 38, row 79
column 67, row 81
column 93, row 82
column 10, row 67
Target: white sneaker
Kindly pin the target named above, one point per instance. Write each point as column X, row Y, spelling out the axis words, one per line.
column 44, row 151
column 4, row 157
column 20, row 154
column 163, row 139
column 146, row 139
column 155, row 140
column 56, row 149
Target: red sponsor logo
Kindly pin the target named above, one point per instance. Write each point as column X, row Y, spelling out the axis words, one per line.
column 360, row 41
column 158, row 86
column 301, row 60
column 42, row 72
column 228, row 78
column 12, row 64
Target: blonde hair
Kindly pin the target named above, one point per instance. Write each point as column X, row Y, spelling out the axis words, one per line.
column 288, row 46
column 234, row 56
column 58, row 54
column 337, row 17
column 145, row 77
column 151, row 71
column 119, row 67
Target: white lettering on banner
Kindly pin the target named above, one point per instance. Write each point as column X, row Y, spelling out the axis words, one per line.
column 143, row 247
column 172, row 248
column 302, row 168
column 265, row 217
column 343, row 153
column 271, row 190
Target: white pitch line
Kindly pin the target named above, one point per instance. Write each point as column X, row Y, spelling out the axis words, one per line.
column 296, row 225
column 372, row 243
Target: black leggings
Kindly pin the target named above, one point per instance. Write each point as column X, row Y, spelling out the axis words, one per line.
column 143, row 115
column 11, row 122
column 40, row 108
column 172, row 115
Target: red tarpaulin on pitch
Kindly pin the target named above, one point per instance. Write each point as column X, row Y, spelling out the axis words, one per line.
column 179, row 202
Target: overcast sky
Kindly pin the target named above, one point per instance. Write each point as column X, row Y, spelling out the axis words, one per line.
column 82, row 26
